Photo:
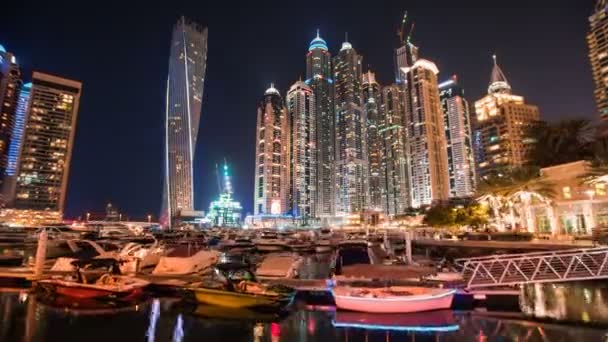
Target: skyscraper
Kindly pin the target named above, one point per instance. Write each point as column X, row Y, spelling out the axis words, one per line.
column 500, row 127
column 303, row 152
column 396, row 194
column 187, row 62
column 47, row 142
column 425, row 134
column 14, row 150
column 597, row 39
column 461, row 161
column 319, row 78
column 371, row 106
column 351, row 165
column 10, row 87
column 271, row 190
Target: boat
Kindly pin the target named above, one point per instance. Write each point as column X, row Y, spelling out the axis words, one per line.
column 269, row 241
column 101, row 281
column 279, row 265
column 394, row 299
column 238, row 245
column 240, row 314
column 173, row 264
column 233, row 285
column 434, row 321
column 137, row 256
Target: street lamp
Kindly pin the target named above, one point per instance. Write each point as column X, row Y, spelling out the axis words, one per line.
column 149, row 218
column 119, row 217
column 88, row 216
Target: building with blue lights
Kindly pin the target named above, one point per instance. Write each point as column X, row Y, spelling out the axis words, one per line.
column 10, row 87
column 319, row 78
column 225, row 212
column 184, row 99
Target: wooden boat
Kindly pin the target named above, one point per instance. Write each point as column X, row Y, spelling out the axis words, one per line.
column 240, row 314
column 234, row 286
column 394, row 299
column 88, row 285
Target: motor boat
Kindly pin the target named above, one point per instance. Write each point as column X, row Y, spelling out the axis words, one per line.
column 237, row 245
column 100, row 281
column 137, row 256
column 394, row 299
column 199, row 262
column 279, row 265
column 269, row 241
column 72, row 250
column 233, row 285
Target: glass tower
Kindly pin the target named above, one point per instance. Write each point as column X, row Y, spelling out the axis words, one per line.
column 319, row 78
column 10, row 87
column 303, row 169
column 184, row 98
column 597, row 39
column 371, row 106
column 461, row 163
column 351, row 165
column 47, row 141
column 272, row 167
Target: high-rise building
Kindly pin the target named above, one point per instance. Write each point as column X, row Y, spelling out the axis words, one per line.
column 396, row 194
column 184, row 99
column 351, row 165
column 457, row 122
column 271, row 192
column 225, row 212
column 14, row 150
column 597, row 39
column 425, row 139
column 371, row 107
column 10, row 88
column 502, row 120
column 47, row 142
column 303, row 150
column 319, row 78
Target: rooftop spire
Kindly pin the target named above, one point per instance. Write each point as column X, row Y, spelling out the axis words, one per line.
column 498, row 80
column 346, row 45
column 318, row 43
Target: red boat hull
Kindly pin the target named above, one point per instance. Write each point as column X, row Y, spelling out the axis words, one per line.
column 88, row 293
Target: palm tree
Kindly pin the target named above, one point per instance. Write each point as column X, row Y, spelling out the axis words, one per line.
column 560, row 142
column 519, row 188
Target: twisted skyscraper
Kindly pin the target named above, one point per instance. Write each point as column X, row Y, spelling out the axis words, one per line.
column 183, row 111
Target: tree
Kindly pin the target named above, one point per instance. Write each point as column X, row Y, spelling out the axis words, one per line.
column 560, row 142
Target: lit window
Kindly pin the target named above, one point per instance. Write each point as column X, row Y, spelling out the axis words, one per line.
column 600, row 189
column 567, row 193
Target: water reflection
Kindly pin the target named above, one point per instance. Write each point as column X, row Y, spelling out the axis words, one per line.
column 26, row 319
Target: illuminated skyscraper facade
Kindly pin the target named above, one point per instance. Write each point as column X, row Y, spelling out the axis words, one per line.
column 319, row 78
column 10, row 87
column 394, row 167
column 271, row 192
column 597, row 39
column 47, row 142
column 303, row 153
column 14, row 150
column 501, row 124
column 425, row 139
column 371, row 107
column 351, row 164
column 184, row 98
column 459, row 141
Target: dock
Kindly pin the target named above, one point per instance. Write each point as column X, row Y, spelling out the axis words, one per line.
column 507, row 245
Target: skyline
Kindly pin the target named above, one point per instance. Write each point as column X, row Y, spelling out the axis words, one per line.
column 220, row 136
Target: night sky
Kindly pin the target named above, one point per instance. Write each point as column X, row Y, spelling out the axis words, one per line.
column 120, row 53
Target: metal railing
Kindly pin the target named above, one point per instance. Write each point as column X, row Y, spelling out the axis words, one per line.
column 537, row 267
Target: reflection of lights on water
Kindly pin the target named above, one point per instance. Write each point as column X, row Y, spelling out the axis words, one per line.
column 23, row 297
column 444, row 328
column 258, row 330
column 587, row 294
column 275, row 330
column 154, row 315
column 585, row 316
column 178, row 332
